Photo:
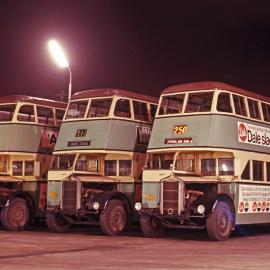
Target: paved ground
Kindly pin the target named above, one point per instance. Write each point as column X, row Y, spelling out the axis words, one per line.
column 87, row 248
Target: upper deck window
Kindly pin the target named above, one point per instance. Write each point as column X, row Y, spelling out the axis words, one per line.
column 100, row 107
column 224, row 103
column 122, row 108
column 239, row 105
column 59, row 116
column 171, row 104
column 7, row 112
column 26, row 113
column 76, row 109
column 45, row 115
column 266, row 112
column 140, row 111
column 199, row 102
column 254, row 111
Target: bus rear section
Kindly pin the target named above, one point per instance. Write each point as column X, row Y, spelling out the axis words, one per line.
column 208, row 164
column 95, row 177
column 29, row 128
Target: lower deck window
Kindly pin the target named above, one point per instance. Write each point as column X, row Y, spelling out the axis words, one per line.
column 124, row 167
column 160, row 161
column 29, row 168
column 257, row 170
column 3, row 164
column 87, row 163
column 187, row 165
column 17, row 168
column 268, row 171
column 246, row 172
column 118, row 167
column 20, row 168
column 225, row 166
column 110, row 168
column 208, row 167
column 63, row 162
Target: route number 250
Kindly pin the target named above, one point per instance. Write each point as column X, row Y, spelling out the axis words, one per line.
column 180, row 129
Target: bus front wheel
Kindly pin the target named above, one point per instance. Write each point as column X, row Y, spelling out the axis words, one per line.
column 151, row 226
column 219, row 224
column 113, row 219
column 15, row 215
column 56, row 223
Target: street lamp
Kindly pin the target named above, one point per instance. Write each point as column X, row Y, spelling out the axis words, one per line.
column 60, row 58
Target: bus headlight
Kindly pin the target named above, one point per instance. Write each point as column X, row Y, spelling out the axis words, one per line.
column 96, row 205
column 200, row 209
column 138, row 206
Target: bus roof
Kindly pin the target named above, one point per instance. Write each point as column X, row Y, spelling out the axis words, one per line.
column 113, row 92
column 34, row 100
column 208, row 85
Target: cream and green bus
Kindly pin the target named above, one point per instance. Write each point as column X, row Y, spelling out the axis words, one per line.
column 208, row 162
column 28, row 127
column 95, row 177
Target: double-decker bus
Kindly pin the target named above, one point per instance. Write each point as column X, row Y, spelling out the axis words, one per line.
column 95, row 177
column 208, row 163
column 28, row 127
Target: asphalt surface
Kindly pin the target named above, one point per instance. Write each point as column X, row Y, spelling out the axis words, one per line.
column 87, row 248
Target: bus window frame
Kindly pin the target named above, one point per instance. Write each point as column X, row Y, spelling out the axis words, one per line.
column 20, row 104
column 111, row 114
column 53, row 116
column 116, row 99
column 89, row 106
column 259, row 109
column 216, row 102
column 147, row 108
column 14, row 112
column 77, row 118
column 186, row 93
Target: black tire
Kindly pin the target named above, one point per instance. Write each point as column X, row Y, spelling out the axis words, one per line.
column 15, row 216
column 56, row 223
column 219, row 224
column 113, row 219
column 151, row 226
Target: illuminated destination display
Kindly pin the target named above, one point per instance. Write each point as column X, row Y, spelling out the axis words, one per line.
column 180, row 129
column 178, row 141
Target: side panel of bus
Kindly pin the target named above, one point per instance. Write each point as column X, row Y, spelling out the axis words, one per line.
column 27, row 138
column 252, row 204
column 220, row 131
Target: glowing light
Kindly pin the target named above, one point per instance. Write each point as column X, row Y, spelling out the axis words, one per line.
column 60, row 58
column 224, row 167
column 58, row 54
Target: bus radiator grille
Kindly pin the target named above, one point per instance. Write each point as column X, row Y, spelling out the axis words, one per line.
column 170, row 197
column 70, row 195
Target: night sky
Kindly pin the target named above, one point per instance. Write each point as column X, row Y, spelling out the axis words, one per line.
column 142, row 46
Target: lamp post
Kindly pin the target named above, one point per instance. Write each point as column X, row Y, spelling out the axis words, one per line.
column 60, row 58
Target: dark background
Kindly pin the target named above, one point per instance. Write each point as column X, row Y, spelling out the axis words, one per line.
column 142, row 46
